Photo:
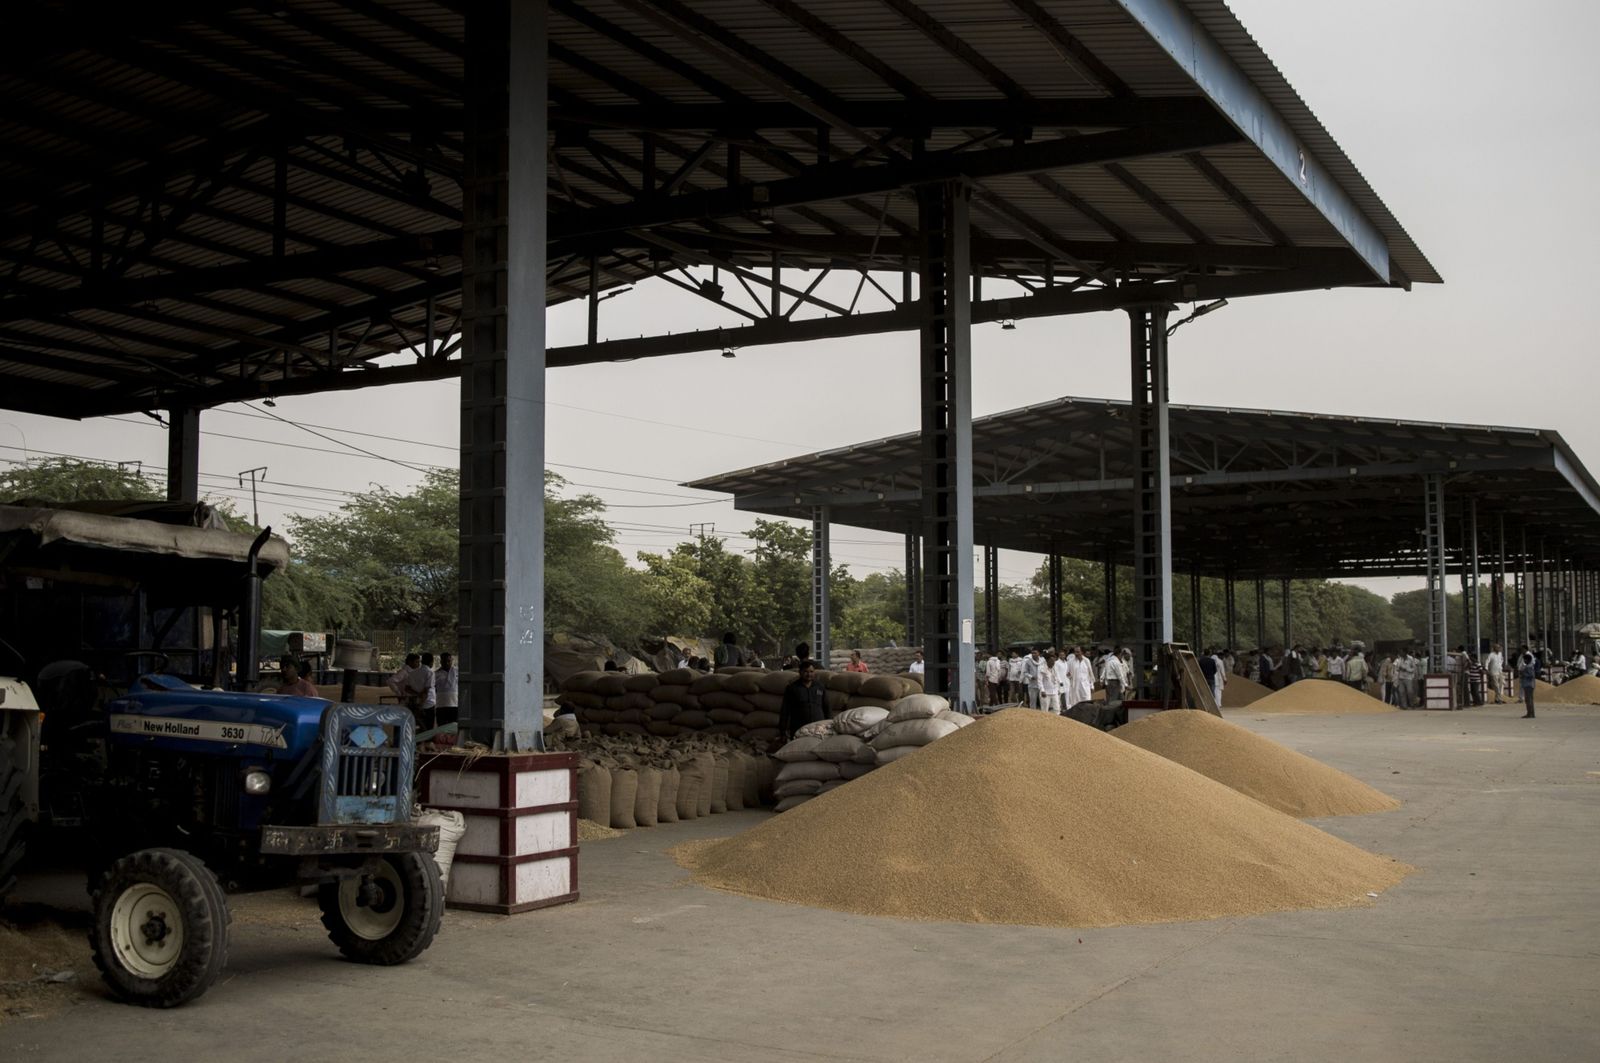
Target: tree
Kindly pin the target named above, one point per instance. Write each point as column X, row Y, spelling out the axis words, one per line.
column 780, row 592
column 72, row 480
column 676, row 598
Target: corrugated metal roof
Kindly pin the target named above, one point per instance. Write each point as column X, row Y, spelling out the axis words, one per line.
column 147, row 148
column 1255, row 493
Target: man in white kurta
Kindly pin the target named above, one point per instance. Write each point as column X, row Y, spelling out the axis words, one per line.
column 1080, row 673
column 1048, row 687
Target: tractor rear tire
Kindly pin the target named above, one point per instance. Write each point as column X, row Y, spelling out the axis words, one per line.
column 13, row 817
column 389, row 913
column 160, row 932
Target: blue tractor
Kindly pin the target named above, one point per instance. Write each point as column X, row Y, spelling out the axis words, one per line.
column 125, row 741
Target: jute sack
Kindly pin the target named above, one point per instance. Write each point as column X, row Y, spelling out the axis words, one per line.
column 799, row 786
column 888, row 687
column 647, row 804
column 889, row 756
column 723, row 699
column 732, row 730
column 832, row 784
column 855, row 721
column 688, row 790
column 918, row 707
column 775, row 683
column 815, row 729
column 838, row 748
column 707, row 766
column 611, row 683
column 707, row 683
column 767, row 776
column 667, row 806
column 677, row 677
column 664, row 710
column 594, row 793
column 720, row 715
column 960, row 719
column 803, row 747
column 853, row 770
column 719, row 785
column 735, row 798
column 744, row 682
column 762, row 737
column 669, row 695
column 752, row 781
column 846, row 682
column 642, row 683
column 583, row 681
column 792, row 802
column 582, row 699
column 695, row 719
column 837, row 700
column 861, row 701
column 912, row 733
column 759, row 719
column 663, row 729
column 820, row 770
column 624, row 792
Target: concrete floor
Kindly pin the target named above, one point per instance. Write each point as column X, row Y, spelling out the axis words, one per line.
column 1491, row 952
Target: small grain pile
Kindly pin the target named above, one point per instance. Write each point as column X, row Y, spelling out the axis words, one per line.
column 1257, row 767
column 1032, row 819
column 1584, row 690
column 590, row 831
column 1242, row 691
column 1319, row 697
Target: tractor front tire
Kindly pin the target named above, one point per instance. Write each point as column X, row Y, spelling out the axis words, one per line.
column 160, row 932
column 389, row 913
column 12, row 816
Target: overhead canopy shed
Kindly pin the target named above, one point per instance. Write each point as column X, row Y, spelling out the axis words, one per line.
column 202, row 202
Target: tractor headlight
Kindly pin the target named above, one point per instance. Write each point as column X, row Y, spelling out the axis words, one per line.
column 256, row 781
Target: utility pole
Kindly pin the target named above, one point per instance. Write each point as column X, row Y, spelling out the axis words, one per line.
column 700, row 531
column 255, row 512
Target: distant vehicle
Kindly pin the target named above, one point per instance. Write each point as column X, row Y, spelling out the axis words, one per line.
column 111, row 624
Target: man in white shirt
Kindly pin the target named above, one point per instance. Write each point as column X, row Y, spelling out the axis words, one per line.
column 1081, row 677
column 1336, row 667
column 1016, row 689
column 445, row 683
column 1405, row 679
column 1493, row 665
column 1063, row 671
column 1031, row 665
column 994, row 674
column 1046, row 692
column 918, row 666
column 1219, row 678
column 1112, row 675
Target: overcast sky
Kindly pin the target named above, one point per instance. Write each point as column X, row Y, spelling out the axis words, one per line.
column 1475, row 123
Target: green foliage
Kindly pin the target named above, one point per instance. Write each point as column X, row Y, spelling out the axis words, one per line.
column 71, row 480
column 676, row 598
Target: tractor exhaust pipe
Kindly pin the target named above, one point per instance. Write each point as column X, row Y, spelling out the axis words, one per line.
column 248, row 671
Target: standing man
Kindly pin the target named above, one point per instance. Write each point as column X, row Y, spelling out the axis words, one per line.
column 1064, row 680
column 1112, row 676
column 917, row 666
column 1081, row 673
column 1493, row 665
column 994, row 673
column 1386, row 680
column 1219, row 680
column 1016, row 688
column 1355, row 671
column 445, row 684
column 1031, row 665
column 1047, row 689
column 1336, row 666
column 292, row 682
column 804, row 701
column 727, row 654
column 1528, row 672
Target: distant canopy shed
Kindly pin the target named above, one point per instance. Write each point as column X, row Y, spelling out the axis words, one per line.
column 1255, row 494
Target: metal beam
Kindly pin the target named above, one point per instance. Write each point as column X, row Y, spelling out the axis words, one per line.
column 501, row 626
column 1433, row 538
column 945, row 387
column 183, row 455
column 991, row 598
column 1172, row 26
column 821, row 606
column 838, row 180
column 1152, row 513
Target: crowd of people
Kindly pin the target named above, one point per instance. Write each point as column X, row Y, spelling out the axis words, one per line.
column 430, row 693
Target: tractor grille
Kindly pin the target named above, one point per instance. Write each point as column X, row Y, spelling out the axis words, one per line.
column 367, row 757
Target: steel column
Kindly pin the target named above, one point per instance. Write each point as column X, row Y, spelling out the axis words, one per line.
column 821, row 565
column 946, row 395
column 1196, row 619
column 1261, row 614
column 1541, row 598
column 1288, row 614
column 1111, row 596
column 1230, row 607
column 913, row 587
column 1152, row 482
column 1476, row 618
column 1433, row 537
column 1523, row 613
column 1057, row 635
column 501, row 625
column 991, row 598
column 1502, row 610
column 183, row 455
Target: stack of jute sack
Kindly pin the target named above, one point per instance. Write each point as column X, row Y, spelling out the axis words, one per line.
column 741, row 704
column 886, row 660
column 628, row 781
column 825, row 755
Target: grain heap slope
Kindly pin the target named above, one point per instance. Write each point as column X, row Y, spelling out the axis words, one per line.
column 1241, row 691
column 1320, row 697
column 1584, row 690
column 1033, row 819
column 1258, row 767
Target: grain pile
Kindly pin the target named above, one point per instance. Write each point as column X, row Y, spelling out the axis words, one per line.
column 43, row 954
column 1319, row 697
column 1584, row 690
column 590, row 831
column 1242, row 691
column 1257, row 767
column 1032, row 819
